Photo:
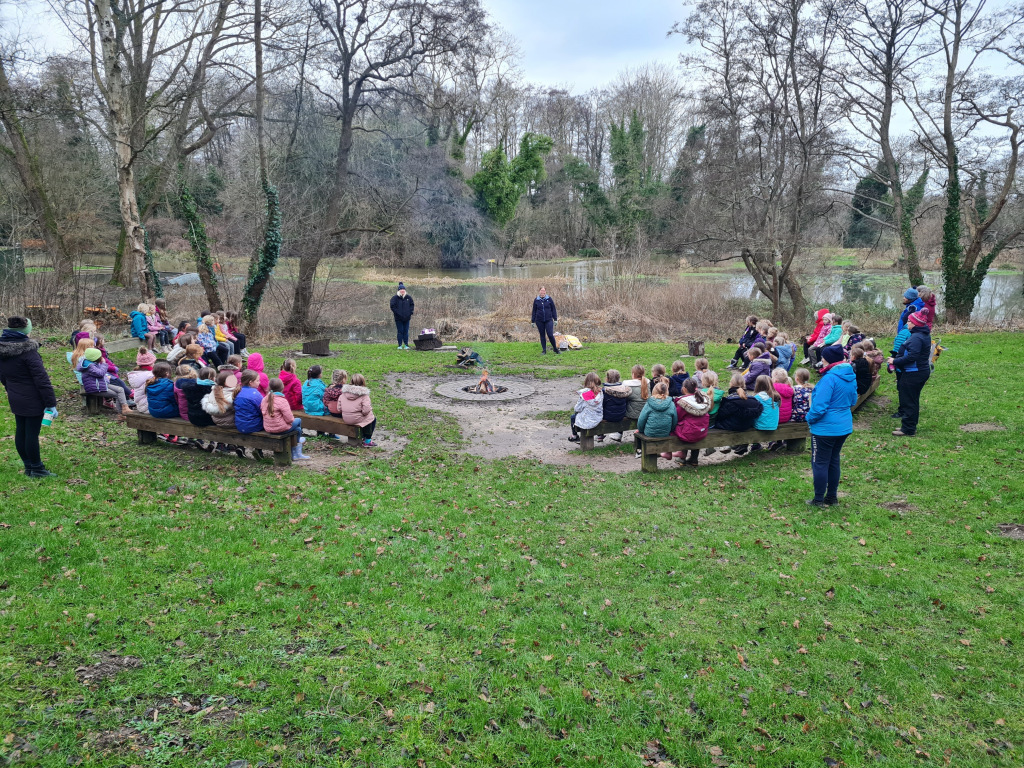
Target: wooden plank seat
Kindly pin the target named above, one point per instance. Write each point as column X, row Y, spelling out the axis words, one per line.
column 149, row 427
column 93, row 401
column 794, row 433
column 604, row 428
column 332, row 425
column 871, row 390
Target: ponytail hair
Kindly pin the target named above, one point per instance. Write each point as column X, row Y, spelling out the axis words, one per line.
column 218, row 391
column 645, row 386
column 276, row 387
column 338, row 378
column 690, row 388
column 738, row 383
column 764, row 384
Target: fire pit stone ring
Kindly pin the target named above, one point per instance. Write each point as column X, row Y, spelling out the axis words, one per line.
column 457, row 390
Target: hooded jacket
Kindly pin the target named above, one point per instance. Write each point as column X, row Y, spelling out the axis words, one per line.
column 355, row 407
column 331, row 396
column 281, row 419
column 23, row 375
column 160, row 397
column 255, row 363
column 292, row 389
column 819, row 317
column 768, row 421
column 692, row 418
column 543, row 310
column 140, row 326
column 179, row 398
column 928, row 310
column 914, row 306
column 831, row 403
column 737, row 413
column 248, row 413
column 786, row 353
column 137, row 381
column 748, row 336
column 616, row 401
column 761, row 366
column 402, row 307
column 835, row 332
column 313, row 397
column 94, row 375
column 636, row 403
column 786, row 404
column 658, row 418
column 862, row 372
column 222, row 418
column 589, row 412
column 194, row 390
column 206, row 339
column 915, row 354
column 675, row 383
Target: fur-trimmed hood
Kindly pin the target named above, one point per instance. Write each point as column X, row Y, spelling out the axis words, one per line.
column 689, row 404
column 212, row 407
column 618, row 389
column 353, row 392
column 14, row 347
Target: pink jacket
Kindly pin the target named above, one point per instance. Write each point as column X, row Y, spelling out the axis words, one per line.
column 282, row 418
column 154, row 324
column 255, row 363
column 354, row 405
column 786, row 405
column 182, row 402
column 292, row 389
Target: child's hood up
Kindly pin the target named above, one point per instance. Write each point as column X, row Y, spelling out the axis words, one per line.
column 255, row 362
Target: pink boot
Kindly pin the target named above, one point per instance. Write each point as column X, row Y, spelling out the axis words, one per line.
column 665, row 455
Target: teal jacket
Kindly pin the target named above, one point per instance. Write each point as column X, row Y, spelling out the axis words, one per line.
column 658, row 418
column 313, row 397
column 769, row 418
column 834, row 335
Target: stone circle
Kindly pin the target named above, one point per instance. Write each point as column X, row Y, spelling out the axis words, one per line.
column 514, row 390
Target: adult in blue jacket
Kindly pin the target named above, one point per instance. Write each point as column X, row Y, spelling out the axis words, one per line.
column 912, row 302
column 830, row 420
column 544, row 317
column 914, row 366
column 402, row 307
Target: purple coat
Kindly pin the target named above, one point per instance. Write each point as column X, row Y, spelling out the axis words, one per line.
column 762, row 366
column 29, row 391
column 94, row 377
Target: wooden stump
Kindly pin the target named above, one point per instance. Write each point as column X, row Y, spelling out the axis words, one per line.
column 696, row 348
column 319, row 347
column 427, row 344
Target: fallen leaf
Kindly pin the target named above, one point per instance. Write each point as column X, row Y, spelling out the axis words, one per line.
column 547, row 658
column 716, row 751
column 862, row 542
column 965, row 642
column 421, row 687
column 300, row 697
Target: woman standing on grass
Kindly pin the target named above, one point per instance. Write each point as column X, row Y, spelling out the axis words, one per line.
column 831, row 421
column 914, row 366
column 29, row 391
column 544, row 316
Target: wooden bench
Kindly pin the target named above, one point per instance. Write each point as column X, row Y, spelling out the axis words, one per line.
column 149, row 427
column 794, row 433
column 871, row 390
column 332, row 425
column 93, row 401
column 604, row 428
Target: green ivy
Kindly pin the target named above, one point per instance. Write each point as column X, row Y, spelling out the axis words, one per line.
column 261, row 267
column 195, row 233
column 501, row 183
column 151, row 276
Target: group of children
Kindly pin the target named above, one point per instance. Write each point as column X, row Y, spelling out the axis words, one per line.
column 209, row 378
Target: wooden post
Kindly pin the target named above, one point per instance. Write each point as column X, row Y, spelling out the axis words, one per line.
column 696, row 348
column 145, row 438
column 648, row 462
column 283, row 458
column 586, row 443
column 796, row 446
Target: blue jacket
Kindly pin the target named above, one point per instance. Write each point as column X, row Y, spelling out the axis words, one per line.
column 163, row 404
column 900, row 340
column 313, row 397
column 832, row 401
column 916, row 354
column 911, row 308
column 248, row 416
column 785, row 353
column 140, row 326
column 769, row 418
column 543, row 310
column 658, row 418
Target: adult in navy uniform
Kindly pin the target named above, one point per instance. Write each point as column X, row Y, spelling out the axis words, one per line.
column 544, row 317
column 29, row 391
column 402, row 307
column 915, row 366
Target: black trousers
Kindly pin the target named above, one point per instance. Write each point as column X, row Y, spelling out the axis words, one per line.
column 909, row 387
column 547, row 328
column 239, row 342
column 367, row 431
column 26, row 440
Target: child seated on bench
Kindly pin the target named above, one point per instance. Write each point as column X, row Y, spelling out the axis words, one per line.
column 313, row 392
column 160, row 397
column 589, row 409
column 333, row 393
column 675, row 381
column 764, row 391
column 802, row 389
column 144, row 362
column 700, row 365
column 356, row 408
column 861, row 369
column 278, row 418
column 292, row 386
column 737, row 413
column 748, row 337
column 96, row 380
column 248, row 404
column 692, row 421
column 658, row 418
column 616, row 402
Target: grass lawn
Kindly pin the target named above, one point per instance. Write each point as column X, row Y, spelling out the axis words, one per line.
column 168, row 608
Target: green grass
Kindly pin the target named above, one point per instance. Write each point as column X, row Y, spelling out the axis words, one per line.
column 437, row 609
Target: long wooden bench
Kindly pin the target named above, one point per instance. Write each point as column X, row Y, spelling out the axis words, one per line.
column 93, row 401
column 871, row 390
column 604, row 428
column 149, row 427
column 794, row 433
column 332, row 425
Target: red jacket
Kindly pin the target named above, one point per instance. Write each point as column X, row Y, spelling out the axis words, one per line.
column 292, row 389
column 928, row 310
column 817, row 328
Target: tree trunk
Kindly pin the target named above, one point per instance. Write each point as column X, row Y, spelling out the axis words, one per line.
column 796, row 296
column 27, row 165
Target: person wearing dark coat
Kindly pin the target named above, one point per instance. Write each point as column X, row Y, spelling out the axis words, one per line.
column 915, row 366
column 544, row 316
column 402, row 307
column 29, row 391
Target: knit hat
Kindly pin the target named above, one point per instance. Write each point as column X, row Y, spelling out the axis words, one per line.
column 17, row 322
column 92, row 354
column 145, row 358
column 833, row 354
column 910, row 294
column 917, row 318
column 401, row 286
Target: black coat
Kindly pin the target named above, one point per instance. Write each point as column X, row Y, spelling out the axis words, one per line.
column 916, row 352
column 402, row 307
column 614, row 407
column 22, row 373
column 543, row 310
column 737, row 414
column 194, row 394
column 862, row 369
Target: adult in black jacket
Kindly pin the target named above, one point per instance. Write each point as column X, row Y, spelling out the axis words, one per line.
column 402, row 307
column 544, row 317
column 29, row 391
column 915, row 366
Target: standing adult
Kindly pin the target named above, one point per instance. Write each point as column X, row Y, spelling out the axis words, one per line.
column 830, row 420
column 912, row 302
column 545, row 315
column 915, row 366
column 29, row 391
column 402, row 307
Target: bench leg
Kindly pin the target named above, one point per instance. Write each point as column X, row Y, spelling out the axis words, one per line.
column 586, row 443
column 283, row 458
column 92, row 406
column 649, row 462
column 796, row 446
column 145, row 438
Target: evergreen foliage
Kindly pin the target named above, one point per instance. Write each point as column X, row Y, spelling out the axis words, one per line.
column 262, row 265
column 501, row 183
column 151, row 276
column 195, row 233
column 868, row 206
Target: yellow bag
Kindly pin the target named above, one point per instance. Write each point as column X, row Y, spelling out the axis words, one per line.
column 573, row 342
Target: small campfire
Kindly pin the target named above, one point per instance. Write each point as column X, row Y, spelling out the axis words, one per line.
column 485, row 386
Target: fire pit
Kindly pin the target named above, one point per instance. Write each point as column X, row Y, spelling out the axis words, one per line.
column 465, row 390
column 473, row 389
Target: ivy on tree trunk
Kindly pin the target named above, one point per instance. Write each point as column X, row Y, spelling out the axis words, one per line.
column 261, row 268
column 195, row 232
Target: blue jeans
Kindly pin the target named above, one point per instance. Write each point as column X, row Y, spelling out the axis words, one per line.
column 296, row 428
column 825, row 466
column 403, row 331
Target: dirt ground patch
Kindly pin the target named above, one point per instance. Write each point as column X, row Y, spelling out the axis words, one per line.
column 1012, row 530
column 512, row 429
column 898, row 506
column 109, row 665
column 983, row 426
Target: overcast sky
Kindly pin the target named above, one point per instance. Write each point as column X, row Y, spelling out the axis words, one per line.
column 585, row 43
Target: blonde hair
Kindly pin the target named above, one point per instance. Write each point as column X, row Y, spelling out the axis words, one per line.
column 762, row 327
column 338, row 378
column 660, row 391
column 780, row 376
column 288, row 365
column 709, row 379
column 773, row 333
column 210, row 320
column 193, row 351
column 782, row 337
column 801, row 376
column 764, row 384
column 87, row 325
column 678, row 366
column 738, row 383
column 186, row 372
column 701, row 364
column 143, row 308
column 83, row 344
column 638, row 373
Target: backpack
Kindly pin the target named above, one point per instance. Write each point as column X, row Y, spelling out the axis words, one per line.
column 561, row 342
column 573, row 342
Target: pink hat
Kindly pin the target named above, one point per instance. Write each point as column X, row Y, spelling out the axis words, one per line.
column 145, row 358
column 917, row 318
